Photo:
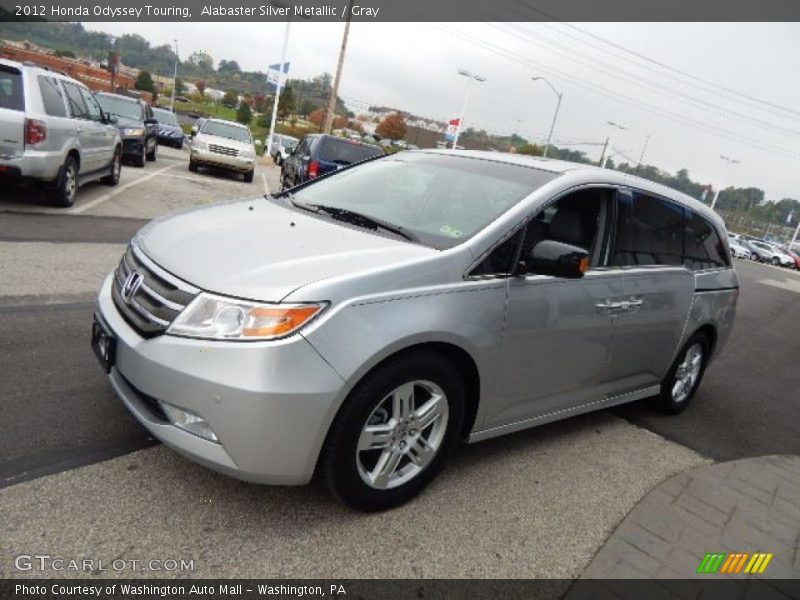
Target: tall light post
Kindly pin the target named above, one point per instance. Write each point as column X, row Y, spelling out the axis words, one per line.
column 729, row 161
column 470, row 78
column 559, row 95
column 609, row 139
column 641, row 156
column 174, row 79
column 278, row 85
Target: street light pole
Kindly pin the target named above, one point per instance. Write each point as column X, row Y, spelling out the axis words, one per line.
column 559, row 95
column 729, row 161
column 470, row 76
column 609, row 140
column 174, row 79
column 278, row 85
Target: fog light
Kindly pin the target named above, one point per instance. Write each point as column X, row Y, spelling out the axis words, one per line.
column 189, row 422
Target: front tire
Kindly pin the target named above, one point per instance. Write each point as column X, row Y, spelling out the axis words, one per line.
column 192, row 166
column 248, row 177
column 683, row 379
column 153, row 154
column 141, row 158
column 394, row 432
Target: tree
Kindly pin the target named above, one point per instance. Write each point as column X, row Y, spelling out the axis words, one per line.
column 229, row 66
column 307, row 107
column 530, row 149
column 244, row 114
column 260, row 103
column 201, row 87
column 286, row 102
column 393, row 127
column 180, row 87
column 144, row 83
column 65, row 53
column 317, row 117
column 230, row 99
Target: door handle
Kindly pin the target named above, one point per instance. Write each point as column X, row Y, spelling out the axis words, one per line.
column 609, row 306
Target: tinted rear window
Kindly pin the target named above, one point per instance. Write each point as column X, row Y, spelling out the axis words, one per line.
column 704, row 248
column 11, row 93
column 343, row 152
column 52, row 96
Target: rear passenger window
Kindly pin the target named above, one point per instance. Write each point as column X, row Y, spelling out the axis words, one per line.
column 11, row 95
column 52, row 97
column 649, row 232
column 704, row 248
column 92, row 107
column 75, row 100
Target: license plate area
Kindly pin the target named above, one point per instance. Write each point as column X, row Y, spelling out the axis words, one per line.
column 104, row 343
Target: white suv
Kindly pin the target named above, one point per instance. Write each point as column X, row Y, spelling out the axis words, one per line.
column 52, row 131
column 225, row 145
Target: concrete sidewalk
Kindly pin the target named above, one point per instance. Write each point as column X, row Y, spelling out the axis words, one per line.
column 745, row 506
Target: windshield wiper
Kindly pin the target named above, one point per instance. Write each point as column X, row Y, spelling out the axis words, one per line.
column 360, row 220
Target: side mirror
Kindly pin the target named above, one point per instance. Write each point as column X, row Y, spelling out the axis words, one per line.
column 151, row 121
column 558, row 259
column 194, row 131
column 111, row 120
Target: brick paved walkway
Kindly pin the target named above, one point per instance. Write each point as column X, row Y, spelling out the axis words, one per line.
column 747, row 506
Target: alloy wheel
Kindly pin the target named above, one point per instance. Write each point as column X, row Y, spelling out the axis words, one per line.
column 402, row 435
column 687, row 373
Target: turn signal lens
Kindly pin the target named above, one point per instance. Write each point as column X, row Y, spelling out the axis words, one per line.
column 271, row 322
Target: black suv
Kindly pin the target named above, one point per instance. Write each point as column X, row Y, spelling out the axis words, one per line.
column 318, row 154
column 137, row 125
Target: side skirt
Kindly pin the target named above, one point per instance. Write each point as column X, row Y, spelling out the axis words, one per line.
column 558, row 415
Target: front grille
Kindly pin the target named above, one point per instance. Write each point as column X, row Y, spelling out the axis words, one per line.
column 223, row 150
column 158, row 299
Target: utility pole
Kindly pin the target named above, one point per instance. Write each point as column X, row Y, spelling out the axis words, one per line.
column 174, row 79
column 641, row 156
column 601, row 162
column 329, row 115
column 616, row 126
column 729, row 161
column 794, row 237
column 559, row 95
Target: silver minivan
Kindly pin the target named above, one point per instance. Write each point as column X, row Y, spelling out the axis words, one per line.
column 53, row 132
column 362, row 324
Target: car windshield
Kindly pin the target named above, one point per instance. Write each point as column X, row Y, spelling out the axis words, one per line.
column 289, row 143
column 346, row 152
column 441, row 199
column 165, row 117
column 121, row 107
column 227, row 130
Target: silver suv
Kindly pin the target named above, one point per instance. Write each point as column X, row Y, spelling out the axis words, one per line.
column 52, row 131
column 361, row 324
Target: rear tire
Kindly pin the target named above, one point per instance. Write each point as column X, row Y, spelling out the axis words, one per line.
column 394, row 432
column 66, row 189
column 112, row 178
column 683, row 379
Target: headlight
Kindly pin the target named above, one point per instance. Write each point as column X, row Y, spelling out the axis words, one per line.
column 218, row 318
column 133, row 132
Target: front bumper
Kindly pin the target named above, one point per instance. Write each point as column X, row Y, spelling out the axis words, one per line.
column 223, row 161
column 269, row 403
column 132, row 146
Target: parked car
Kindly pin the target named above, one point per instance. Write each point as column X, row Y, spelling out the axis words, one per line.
column 281, row 147
column 137, row 126
column 224, row 145
column 318, row 154
column 335, row 329
column 739, row 249
column 53, row 133
column 795, row 255
column 772, row 254
column 169, row 131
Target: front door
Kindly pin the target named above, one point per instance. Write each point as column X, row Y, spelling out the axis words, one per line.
column 559, row 333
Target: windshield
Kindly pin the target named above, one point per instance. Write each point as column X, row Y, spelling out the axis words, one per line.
column 441, row 199
column 227, row 130
column 127, row 109
column 165, row 117
column 290, row 143
column 345, row 152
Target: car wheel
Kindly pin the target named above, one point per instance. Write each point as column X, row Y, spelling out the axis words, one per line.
column 179, row 145
column 141, row 158
column 394, row 431
column 67, row 183
column 683, row 378
column 153, row 154
column 116, row 169
column 248, row 177
column 192, row 166
column 776, row 261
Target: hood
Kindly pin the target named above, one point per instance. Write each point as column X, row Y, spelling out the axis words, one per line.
column 170, row 128
column 223, row 141
column 257, row 249
column 126, row 123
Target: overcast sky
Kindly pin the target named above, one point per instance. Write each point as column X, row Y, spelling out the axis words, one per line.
column 413, row 66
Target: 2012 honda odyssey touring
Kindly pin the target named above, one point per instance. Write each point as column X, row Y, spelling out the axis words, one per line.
column 361, row 324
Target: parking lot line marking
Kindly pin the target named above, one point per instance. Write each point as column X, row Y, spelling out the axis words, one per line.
column 266, row 187
column 84, row 207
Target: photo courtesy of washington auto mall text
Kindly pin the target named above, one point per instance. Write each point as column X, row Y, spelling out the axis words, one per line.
column 399, row 299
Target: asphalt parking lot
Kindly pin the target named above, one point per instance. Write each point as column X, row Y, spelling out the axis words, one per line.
column 80, row 477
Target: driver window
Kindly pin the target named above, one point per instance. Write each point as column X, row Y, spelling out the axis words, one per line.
column 574, row 219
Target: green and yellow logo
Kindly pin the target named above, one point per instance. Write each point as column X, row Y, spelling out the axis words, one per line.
column 721, row 562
